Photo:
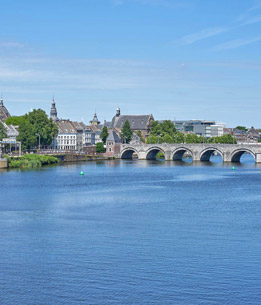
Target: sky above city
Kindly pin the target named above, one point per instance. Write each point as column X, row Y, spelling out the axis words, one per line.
column 176, row 59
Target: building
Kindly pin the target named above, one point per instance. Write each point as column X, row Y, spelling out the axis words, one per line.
column 113, row 144
column 95, row 122
column 138, row 123
column 203, row 128
column 72, row 135
column 66, row 140
column 252, row 135
column 4, row 114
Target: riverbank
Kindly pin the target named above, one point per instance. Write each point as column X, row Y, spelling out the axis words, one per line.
column 37, row 161
column 31, row 161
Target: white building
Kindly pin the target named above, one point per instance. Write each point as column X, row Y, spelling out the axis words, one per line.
column 66, row 140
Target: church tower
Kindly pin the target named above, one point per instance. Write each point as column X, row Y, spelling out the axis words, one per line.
column 53, row 112
column 95, row 121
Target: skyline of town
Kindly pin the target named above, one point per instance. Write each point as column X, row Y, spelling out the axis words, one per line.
column 86, row 119
column 135, row 54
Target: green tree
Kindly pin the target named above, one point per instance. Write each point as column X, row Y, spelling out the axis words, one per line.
column 104, row 134
column 3, row 133
column 26, row 135
column 126, row 133
column 242, row 128
column 164, row 128
column 42, row 125
column 35, row 122
column 15, row 120
column 167, row 139
column 100, row 147
column 151, row 140
column 225, row 139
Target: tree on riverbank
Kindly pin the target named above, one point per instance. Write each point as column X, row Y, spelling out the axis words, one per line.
column 126, row 133
column 31, row 124
column 100, row 147
column 225, row 139
column 104, row 134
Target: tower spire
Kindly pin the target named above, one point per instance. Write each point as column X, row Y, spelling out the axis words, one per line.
column 53, row 112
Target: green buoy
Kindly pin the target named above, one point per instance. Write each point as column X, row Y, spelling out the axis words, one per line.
column 81, row 173
column 233, row 168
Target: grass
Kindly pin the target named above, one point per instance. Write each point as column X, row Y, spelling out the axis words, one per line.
column 31, row 161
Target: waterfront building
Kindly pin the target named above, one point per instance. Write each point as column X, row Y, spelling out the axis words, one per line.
column 66, row 140
column 138, row 123
column 113, row 144
column 73, row 135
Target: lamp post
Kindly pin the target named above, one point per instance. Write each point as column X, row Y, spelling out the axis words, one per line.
column 39, row 140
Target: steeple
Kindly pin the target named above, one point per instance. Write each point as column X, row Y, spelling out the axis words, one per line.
column 95, row 120
column 118, row 112
column 53, row 112
column 1, row 102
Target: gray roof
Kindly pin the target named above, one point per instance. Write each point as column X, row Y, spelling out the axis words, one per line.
column 66, row 126
column 78, row 126
column 114, row 137
column 137, row 122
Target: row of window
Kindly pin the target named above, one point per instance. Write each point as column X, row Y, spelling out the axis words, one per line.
column 61, row 142
column 66, row 137
column 66, row 148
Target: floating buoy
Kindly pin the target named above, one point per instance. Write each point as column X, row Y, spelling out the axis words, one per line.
column 81, row 173
column 233, row 168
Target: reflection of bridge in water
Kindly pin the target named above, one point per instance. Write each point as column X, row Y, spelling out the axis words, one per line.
column 198, row 152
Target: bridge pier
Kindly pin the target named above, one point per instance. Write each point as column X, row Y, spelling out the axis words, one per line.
column 226, row 156
column 258, row 158
column 142, row 155
column 196, row 155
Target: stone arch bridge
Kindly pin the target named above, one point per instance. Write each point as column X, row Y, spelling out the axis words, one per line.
column 198, row 152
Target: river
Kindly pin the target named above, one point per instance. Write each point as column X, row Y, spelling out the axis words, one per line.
column 131, row 232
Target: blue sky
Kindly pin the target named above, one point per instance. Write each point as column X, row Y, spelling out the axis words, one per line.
column 176, row 59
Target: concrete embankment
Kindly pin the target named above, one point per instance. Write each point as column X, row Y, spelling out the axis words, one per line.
column 3, row 163
column 78, row 157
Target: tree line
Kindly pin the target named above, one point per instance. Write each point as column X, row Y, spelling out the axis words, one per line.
column 31, row 125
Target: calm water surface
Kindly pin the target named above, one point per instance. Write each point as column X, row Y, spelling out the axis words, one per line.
column 131, row 232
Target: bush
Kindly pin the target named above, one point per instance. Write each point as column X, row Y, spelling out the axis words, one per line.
column 31, row 161
column 100, row 148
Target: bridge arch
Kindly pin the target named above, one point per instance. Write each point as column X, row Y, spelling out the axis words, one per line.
column 236, row 154
column 128, row 152
column 152, row 152
column 207, row 153
column 178, row 153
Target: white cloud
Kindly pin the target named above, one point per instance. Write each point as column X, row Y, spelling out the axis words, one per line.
column 251, row 20
column 10, row 44
column 207, row 33
column 233, row 44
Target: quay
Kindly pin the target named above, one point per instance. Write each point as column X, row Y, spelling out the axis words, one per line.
column 3, row 163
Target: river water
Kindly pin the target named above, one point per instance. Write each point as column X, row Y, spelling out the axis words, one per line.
column 131, row 232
